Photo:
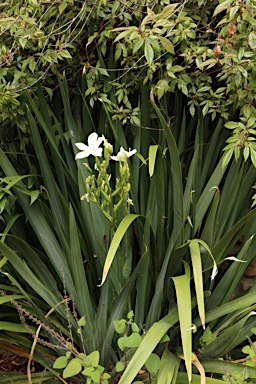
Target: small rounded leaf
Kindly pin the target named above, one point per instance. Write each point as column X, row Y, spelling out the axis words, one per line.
column 95, row 376
column 106, row 376
column 94, row 358
column 120, row 366
column 135, row 327
column 82, row 321
column 152, row 364
column 132, row 341
column 61, row 362
column 88, row 371
column 120, row 325
column 72, row 369
column 130, row 315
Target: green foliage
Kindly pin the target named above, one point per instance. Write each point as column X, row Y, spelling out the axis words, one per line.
column 237, row 378
column 205, row 51
column 88, row 365
column 188, row 210
column 250, row 350
column 207, row 337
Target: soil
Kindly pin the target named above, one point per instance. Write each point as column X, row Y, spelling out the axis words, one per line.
column 10, row 363
column 14, row 363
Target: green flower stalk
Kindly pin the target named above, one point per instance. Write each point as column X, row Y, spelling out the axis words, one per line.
column 98, row 188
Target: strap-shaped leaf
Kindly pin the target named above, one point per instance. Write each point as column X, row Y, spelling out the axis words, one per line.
column 168, row 369
column 122, row 228
column 152, row 159
column 198, row 277
column 182, row 287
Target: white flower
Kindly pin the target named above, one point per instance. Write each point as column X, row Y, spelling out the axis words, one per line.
column 92, row 148
column 214, row 271
column 123, row 155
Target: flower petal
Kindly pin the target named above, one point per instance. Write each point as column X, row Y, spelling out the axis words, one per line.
column 131, row 153
column 100, row 140
column 96, row 152
column 114, row 158
column 123, row 155
column 214, row 271
column 81, row 146
column 82, row 155
column 94, row 140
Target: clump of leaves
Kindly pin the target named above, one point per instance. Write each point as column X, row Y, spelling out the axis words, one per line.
column 250, row 351
column 128, row 344
column 207, row 337
column 87, row 365
column 237, row 377
column 130, row 339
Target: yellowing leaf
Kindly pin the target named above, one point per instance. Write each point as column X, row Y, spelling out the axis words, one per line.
column 168, row 11
column 22, row 42
column 138, row 45
column 231, row 125
column 161, row 88
column 167, row 44
column 221, row 7
column 123, row 34
column 152, row 159
column 91, row 38
column 227, row 157
column 253, row 156
column 149, row 53
column 62, row 7
column 252, row 40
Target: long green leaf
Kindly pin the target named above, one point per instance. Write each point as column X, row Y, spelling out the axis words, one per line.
column 168, row 368
column 78, row 271
column 198, row 277
column 122, row 228
column 182, row 287
column 43, row 231
column 176, row 175
column 196, row 379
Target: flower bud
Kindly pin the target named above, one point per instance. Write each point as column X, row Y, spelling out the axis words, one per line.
column 108, row 146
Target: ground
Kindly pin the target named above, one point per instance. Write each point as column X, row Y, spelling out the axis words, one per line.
column 13, row 363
